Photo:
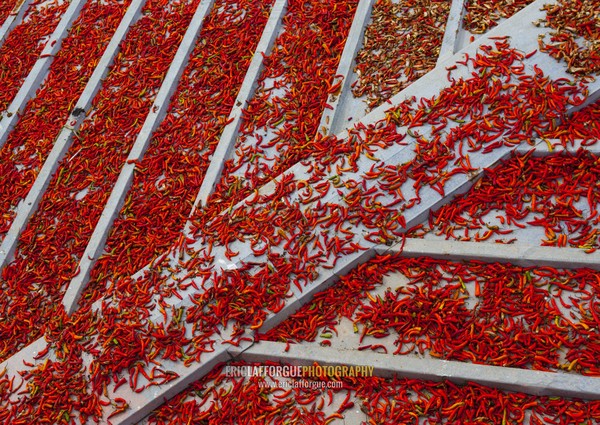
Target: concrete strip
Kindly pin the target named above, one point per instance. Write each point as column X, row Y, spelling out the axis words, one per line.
column 517, row 254
column 453, row 27
column 63, row 141
column 155, row 116
column 553, row 147
column 39, row 71
column 230, row 132
column 330, row 119
column 13, row 19
column 504, row 378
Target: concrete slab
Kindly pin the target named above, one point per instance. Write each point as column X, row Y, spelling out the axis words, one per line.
column 453, row 27
column 505, row 378
column 331, row 121
column 230, row 132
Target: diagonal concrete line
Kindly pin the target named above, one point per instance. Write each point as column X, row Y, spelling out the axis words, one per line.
column 453, row 28
column 517, row 254
column 39, row 71
column 230, row 132
column 14, row 18
column 387, row 366
column 155, row 116
column 63, row 141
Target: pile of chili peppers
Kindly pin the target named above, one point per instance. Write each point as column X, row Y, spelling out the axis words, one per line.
column 284, row 114
column 218, row 398
column 557, row 193
column 481, row 15
column 402, row 43
column 168, row 177
column 576, row 39
column 24, row 43
column 31, row 140
column 518, row 317
column 582, row 126
column 6, row 8
column 56, row 236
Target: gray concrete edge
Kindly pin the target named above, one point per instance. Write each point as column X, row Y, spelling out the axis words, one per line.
column 517, row 254
column 13, row 20
column 534, row 382
column 330, row 117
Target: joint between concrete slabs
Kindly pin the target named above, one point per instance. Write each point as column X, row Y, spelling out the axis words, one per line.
column 330, row 118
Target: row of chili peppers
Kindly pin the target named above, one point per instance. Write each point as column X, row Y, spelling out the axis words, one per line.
column 6, row 8
column 57, row 234
column 29, row 143
column 495, row 314
column 23, row 45
column 402, row 43
column 576, row 39
column 169, row 176
column 60, row 343
column 285, row 111
column 482, row 15
column 557, row 193
column 218, row 398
